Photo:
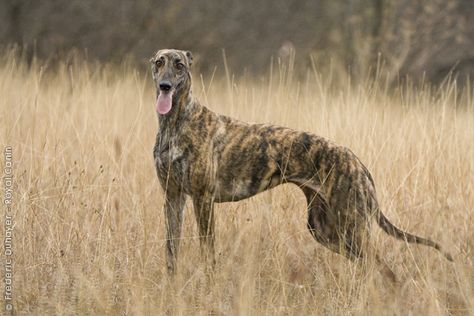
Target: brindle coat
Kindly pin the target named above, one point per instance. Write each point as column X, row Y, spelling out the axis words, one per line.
column 214, row 158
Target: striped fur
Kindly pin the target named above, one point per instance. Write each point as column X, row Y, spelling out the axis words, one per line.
column 214, row 158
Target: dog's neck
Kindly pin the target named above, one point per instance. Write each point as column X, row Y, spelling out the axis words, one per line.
column 182, row 103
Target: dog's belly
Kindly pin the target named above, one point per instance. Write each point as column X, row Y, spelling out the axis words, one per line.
column 240, row 189
column 236, row 191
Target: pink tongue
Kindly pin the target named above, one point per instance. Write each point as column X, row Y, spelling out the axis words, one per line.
column 163, row 103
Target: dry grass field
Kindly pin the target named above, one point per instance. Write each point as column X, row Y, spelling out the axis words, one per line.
column 89, row 225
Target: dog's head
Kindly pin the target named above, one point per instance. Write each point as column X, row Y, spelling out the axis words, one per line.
column 170, row 71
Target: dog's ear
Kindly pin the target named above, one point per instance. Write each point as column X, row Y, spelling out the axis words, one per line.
column 189, row 57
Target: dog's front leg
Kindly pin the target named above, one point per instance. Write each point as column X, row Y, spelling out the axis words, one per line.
column 204, row 211
column 174, row 206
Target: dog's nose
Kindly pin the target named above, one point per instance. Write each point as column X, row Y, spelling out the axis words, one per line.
column 165, row 85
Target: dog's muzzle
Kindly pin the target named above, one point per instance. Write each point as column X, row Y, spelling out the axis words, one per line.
column 165, row 85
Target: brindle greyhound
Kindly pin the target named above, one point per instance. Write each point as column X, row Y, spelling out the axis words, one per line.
column 214, row 158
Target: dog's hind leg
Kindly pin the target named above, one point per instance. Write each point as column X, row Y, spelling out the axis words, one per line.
column 204, row 211
column 346, row 235
column 335, row 230
column 319, row 223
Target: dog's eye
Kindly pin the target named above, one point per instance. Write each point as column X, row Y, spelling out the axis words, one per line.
column 159, row 63
column 180, row 66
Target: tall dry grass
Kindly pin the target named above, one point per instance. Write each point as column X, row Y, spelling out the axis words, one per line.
column 89, row 226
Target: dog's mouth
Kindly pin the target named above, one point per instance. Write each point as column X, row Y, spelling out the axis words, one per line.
column 164, row 101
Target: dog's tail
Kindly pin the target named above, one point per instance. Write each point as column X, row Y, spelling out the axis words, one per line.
column 396, row 232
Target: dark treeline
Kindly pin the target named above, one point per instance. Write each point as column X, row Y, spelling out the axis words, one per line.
column 422, row 38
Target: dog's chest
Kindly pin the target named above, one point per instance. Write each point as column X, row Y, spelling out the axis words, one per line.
column 171, row 162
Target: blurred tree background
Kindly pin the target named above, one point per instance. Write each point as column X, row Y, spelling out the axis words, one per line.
column 423, row 38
